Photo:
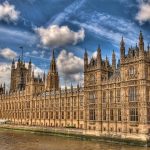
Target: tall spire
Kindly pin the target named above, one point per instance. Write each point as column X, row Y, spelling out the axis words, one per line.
column 122, row 49
column 99, row 57
column 141, row 44
column 44, row 77
column 13, row 64
column 53, row 63
column 52, row 77
column 106, row 61
column 85, row 59
column 113, row 61
column 30, row 64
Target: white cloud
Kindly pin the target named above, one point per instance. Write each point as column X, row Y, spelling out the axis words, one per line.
column 37, row 70
column 34, row 52
column 55, row 36
column 8, row 12
column 70, row 66
column 94, row 55
column 144, row 13
column 8, row 53
column 104, row 25
column 5, row 70
column 67, row 12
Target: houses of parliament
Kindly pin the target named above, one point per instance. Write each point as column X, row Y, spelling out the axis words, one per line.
column 114, row 101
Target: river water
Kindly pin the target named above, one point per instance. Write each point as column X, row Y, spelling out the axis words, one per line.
column 17, row 140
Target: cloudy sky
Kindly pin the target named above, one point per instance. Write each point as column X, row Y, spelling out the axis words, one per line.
column 68, row 26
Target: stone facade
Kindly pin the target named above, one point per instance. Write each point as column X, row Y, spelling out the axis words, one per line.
column 115, row 100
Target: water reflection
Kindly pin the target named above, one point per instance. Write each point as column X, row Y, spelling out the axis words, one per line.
column 16, row 140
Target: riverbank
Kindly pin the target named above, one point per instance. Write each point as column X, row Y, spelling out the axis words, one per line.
column 76, row 133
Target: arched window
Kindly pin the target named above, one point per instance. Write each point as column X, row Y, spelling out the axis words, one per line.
column 133, row 114
column 92, row 115
column 118, row 95
column 92, row 96
column 104, row 115
column 104, row 97
column 119, row 114
column 111, row 114
column 111, row 96
column 92, row 79
column 131, row 71
column 132, row 94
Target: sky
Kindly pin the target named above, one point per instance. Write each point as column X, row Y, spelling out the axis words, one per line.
column 69, row 27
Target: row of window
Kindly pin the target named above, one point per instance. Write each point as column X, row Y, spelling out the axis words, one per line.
column 40, row 104
column 133, row 113
column 45, row 115
column 132, row 95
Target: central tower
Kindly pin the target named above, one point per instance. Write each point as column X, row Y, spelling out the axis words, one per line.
column 52, row 77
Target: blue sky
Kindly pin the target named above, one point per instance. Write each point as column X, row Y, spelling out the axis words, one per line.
column 68, row 26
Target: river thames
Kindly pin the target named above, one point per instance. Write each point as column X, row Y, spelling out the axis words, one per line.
column 17, row 140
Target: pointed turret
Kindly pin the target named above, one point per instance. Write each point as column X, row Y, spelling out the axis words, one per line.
column 52, row 77
column 13, row 64
column 113, row 61
column 29, row 70
column 122, row 49
column 148, row 47
column 44, row 77
column 30, row 63
column 4, row 87
column 53, row 63
column 71, row 87
column 106, row 62
column 78, row 86
column 99, row 57
column 141, row 44
column 85, row 60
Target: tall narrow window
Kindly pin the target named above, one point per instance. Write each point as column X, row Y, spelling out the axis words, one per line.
column 91, row 114
column 92, row 97
column 81, row 114
column 132, row 94
column 46, row 115
column 104, row 97
column 74, row 115
column 68, row 115
column 119, row 114
column 51, row 115
column 57, row 115
column 133, row 114
column 74, row 102
column 111, row 114
column 148, row 115
column 131, row 71
column 81, row 101
column 104, row 114
column 111, row 96
column 118, row 95
column 62, row 115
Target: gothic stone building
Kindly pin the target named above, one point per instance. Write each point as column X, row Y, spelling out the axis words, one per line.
column 115, row 100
